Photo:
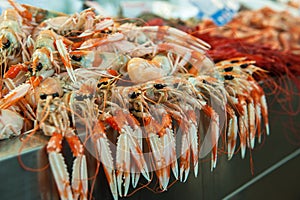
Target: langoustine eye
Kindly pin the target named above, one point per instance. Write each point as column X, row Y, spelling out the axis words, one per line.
column 43, row 96
column 6, row 43
column 39, row 67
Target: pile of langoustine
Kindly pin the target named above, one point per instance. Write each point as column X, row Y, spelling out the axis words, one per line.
column 271, row 38
column 146, row 98
column 275, row 29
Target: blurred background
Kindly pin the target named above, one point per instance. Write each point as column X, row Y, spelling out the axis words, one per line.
column 167, row 8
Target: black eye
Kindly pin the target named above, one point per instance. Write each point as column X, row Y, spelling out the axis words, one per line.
column 228, row 69
column 6, row 44
column 159, row 86
column 55, row 95
column 30, row 69
column 134, row 95
column 76, row 58
column 204, row 81
column 79, row 98
column 228, row 77
column 244, row 65
column 102, row 83
column 39, row 67
column 234, row 61
column 43, row 96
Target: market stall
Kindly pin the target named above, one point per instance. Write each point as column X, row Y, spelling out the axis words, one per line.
column 144, row 100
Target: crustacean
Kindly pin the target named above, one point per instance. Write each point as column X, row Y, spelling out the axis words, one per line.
column 53, row 119
column 148, row 99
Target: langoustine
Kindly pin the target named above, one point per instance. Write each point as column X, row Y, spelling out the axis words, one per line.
column 145, row 112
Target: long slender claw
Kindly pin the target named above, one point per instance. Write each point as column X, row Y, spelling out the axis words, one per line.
column 252, row 131
column 159, row 160
column 140, row 161
column 196, row 169
column 188, row 41
column 246, row 124
column 172, row 152
column 79, row 178
column 126, row 184
column 135, row 146
column 14, row 71
column 96, row 42
column 71, row 74
column 14, row 96
column 168, row 34
column 258, row 121
column 65, row 58
column 104, row 24
column 166, row 153
column 106, row 158
column 232, row 136
column 214, row 157
column 61, row 175
column 174, row 167
column 123, row 163
column 112, row 181
column 135, row 175
column 28, row 110
column 215, row 131
column 168, row 149
column 184, row 158
column 243, row 137
column 79, row 175
column 134, row 139
column 193, row 137
column 123, row 178
column 184, row 172
column 134, row 178
column 264, row 112
column 165, row 178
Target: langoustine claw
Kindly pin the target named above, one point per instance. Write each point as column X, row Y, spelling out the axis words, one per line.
column 59, row 168
column 105, row 156
column 127, row 146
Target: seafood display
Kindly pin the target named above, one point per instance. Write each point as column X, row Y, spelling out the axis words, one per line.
column 276, row 29
column 260, row 34
column 142, row 100
column 268, row 37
